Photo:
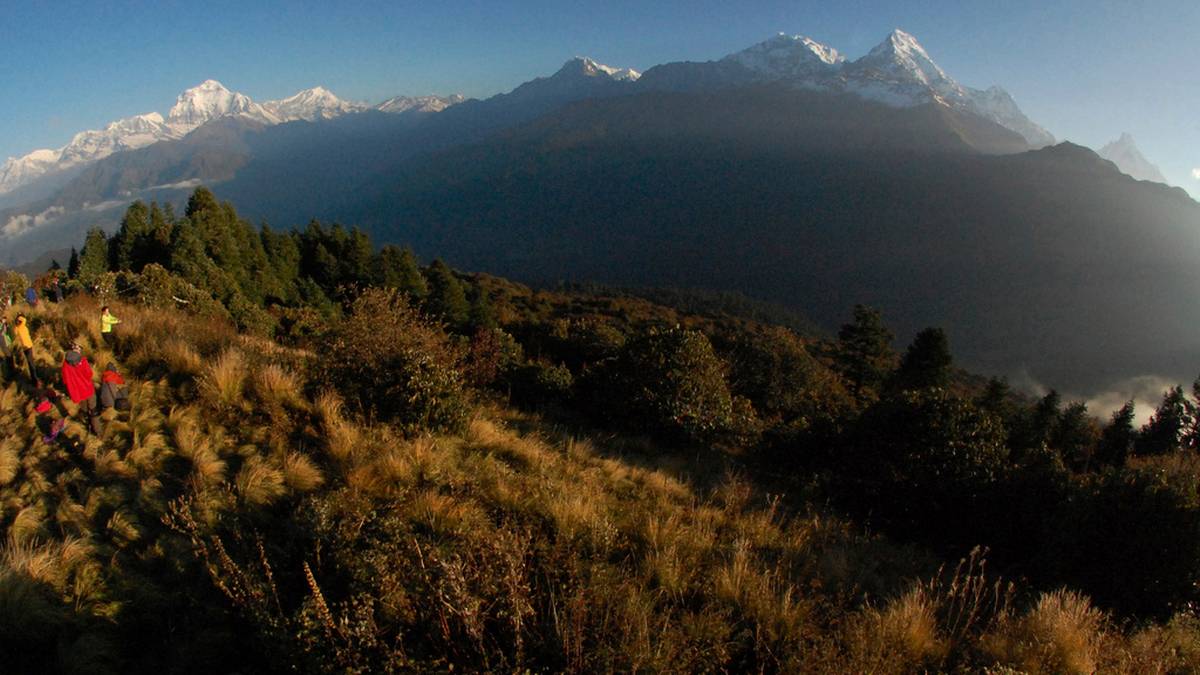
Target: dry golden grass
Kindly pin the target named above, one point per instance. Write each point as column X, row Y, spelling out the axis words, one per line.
column 10, row 398
column 181, row 357
column 343, row 438
column 277, row 387
column 123, row 527
column 446, row 515
column 259, row 483
column 901, row 637
column 27, row 526
column 195, row 445
column 583, row 515
column 223, row 381
column 403, row 465
column 1062, row 633
column 10, row 459
column 110, row 466
column 300, row 473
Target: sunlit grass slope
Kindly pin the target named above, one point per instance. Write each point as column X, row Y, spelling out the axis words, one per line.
column 241, row 518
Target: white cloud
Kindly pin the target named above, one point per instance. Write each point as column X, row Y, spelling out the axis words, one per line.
column 20, row 223
column 1146, row 392
column 1196, row 173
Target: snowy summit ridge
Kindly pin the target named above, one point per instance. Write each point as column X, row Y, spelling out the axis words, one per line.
column 310, row 105
column 896, row 72
column 786, row 56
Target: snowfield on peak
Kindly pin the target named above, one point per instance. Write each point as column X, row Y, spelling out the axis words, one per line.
column 898, row 72
column 400, row 104
column 312, row 104
column 210, row 100
column 786, row 56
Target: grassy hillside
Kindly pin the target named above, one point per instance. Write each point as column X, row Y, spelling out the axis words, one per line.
column 245, row 516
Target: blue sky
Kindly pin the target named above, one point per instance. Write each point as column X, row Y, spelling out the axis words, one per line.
column 1086, row 70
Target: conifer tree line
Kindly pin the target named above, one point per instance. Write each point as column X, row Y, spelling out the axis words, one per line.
column 249, row 270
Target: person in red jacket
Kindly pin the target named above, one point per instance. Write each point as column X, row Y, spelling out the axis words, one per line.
column 77, row 378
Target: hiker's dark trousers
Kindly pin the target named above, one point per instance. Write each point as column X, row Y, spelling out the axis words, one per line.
column 29, row 362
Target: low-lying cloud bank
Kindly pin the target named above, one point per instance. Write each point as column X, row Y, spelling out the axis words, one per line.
column 1146, row 392
column 20, row 223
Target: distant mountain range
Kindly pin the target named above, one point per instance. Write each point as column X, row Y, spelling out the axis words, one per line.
column 783, row 171
column 208, row 101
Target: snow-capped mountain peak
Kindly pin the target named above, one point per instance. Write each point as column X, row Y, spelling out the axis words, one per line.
column 902, row 59
column 311, row 104
column 1129, row 159
column 400, row 104
column 586, row 67
column 785, row 56
column 210, row 100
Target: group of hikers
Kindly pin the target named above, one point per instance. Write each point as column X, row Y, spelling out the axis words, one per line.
column 78, row 379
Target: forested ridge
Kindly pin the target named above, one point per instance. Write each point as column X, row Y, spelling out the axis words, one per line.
column 340, row 459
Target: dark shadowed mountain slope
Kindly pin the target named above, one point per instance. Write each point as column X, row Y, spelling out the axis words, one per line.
column 1050, row 261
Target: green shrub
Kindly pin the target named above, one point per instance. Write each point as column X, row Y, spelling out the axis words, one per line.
column 392, row 364
column 922, row 455
column 669, row 383
column 539, row 383
column 1131, row 539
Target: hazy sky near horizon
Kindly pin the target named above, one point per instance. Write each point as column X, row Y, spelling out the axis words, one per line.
column 1086, row 70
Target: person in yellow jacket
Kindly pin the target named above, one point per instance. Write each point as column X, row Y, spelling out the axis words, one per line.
column 107, row 321
column 24, row 344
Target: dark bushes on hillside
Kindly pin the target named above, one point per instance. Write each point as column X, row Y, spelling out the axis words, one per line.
column 927, row 456
column 394, row 365
column 670, row 383
column 1131, row 539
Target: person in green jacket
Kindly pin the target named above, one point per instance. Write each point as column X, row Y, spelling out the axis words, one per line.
column 7, row 350
column 107, row 321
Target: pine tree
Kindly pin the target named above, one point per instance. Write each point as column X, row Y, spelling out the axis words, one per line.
column 398, row 269
column 93, row 262
column 162, row 222
column 1075, row 436
column 926, row 363
column 1169, row 427
column 73, row 264
column 482, row 315
column 1118, row 438
column 356, row 259
column 283, row 252
column 131, row 238
column 447, row 298
column 864, row 353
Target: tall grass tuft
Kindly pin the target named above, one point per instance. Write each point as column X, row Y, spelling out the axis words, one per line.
column 277, row 388
column 223, row 380
column 343, row 440
column 1062, row 633
column 301, row 474
column 181, row 357
column 27, row 526
column 10, row 459
column 259, row 483
column 901, row 637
